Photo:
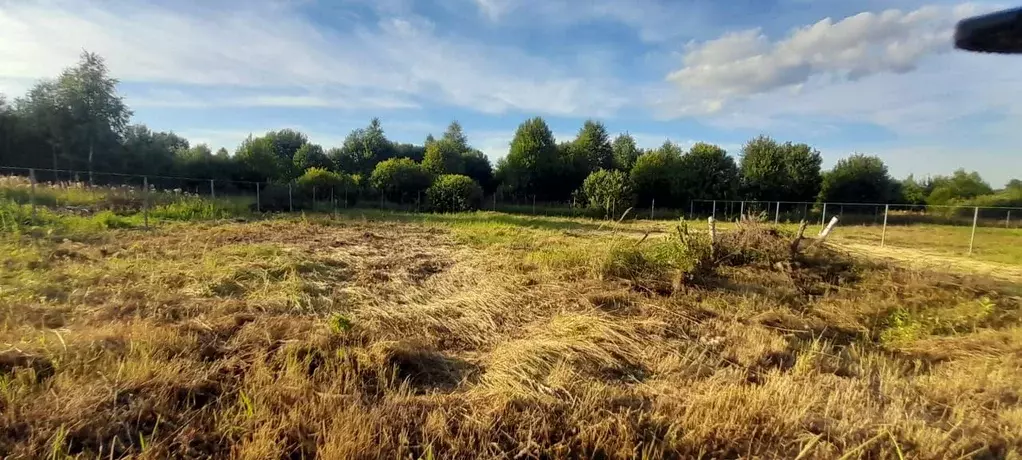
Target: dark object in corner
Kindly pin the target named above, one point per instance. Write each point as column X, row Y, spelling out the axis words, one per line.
column 998, row 32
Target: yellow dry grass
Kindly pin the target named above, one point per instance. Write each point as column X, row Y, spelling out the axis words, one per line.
column 458, row 338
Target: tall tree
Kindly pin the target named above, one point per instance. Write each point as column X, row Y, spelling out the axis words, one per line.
column 858, row 179
column 310, row 156
column 146, row 151
column 625, row 152
column 98, row 113
column 44, row 116
column 530, row 167
column 456, row 136
column 656, row 174
column 593, row 144
column 444, row 157
column 258, row 159
column 477, row 167
column 708, row 173
column 802, row 164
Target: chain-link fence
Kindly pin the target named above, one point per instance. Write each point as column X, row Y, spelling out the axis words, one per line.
column 992, row 231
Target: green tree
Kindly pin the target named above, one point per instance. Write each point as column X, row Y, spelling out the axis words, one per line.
column 1014, row 184
column 456, row 136
column 362, row 150
column 444, row 157
column 454, row 193
column 802, row 164
column 257, row 159
column 911, row 191
column 960, row 185
column 625, row 152
column 708, row 173
column 43, row 117
column 400, row 179
column 608, row 190
column 531, row 165
column 310, row 156
column 324, row 179
column 477, row 167
column 413, row 152
column 773, row 172
column 98, row 114
column 146, row 151
column 655, row 175
column 593, row 144
column 858, row 179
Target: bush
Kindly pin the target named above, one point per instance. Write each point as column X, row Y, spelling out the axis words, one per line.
column 609, row 191
column 399, row 179
column 454, row 193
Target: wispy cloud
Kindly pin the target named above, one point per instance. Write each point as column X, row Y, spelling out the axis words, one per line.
column 400, row 57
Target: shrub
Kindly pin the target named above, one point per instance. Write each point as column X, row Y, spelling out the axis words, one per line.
column 608, row 190
column 399, row 178
column 454, row 193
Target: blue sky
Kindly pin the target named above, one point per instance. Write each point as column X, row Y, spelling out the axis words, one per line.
column 844, row 76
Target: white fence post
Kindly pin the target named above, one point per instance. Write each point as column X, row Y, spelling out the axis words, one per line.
column 777, row 213
column 883, row 233
column 212, row 190
column 259, row 206
column 652, row 209
column 31, row 196
column 1007, row 220
column 741, row 211
column 714, row 215
column 145, row 200
column 824, row 218
column 975, row 217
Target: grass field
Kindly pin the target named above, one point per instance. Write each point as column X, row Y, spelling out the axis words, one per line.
column 386, row 335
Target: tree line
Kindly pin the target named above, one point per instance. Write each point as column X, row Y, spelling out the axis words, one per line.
column 78, row 121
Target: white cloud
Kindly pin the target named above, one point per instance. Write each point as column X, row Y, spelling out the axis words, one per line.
column 398, row 59
column 746, row 63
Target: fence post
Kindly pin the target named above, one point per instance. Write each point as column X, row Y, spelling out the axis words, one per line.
column 494, row 201
column 290, row 203
column 975, row 217
column 31, row 195
column 777, row 213
column 212, row 190
column 1007, row 220
column 741, row 212
column 259, row 206
column 533, row 204
column 652, row 209
column 824, row 218
column 714, row 215
column 345, row 196
column 145, row 201
column 883, row 233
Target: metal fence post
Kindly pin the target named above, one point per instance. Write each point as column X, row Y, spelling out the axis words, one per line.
column 714, row 214
column 741, row 211
column 259, row 206
column 212, row 190
column 777, row 213
column 145, row 200
column 883, row 233
column 290, row 203
column 1007, row 220
column 823, row 219
column 494, row 201
column 31, row 195
column 975, row 217
column 533, row 204
column 691, row 207
column 652, row 208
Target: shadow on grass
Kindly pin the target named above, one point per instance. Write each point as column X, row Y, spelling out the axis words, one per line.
column 476, row 218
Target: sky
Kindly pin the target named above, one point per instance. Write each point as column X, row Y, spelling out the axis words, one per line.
column 848, row 76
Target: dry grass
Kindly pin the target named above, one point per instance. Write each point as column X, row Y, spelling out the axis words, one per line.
column 459, row 338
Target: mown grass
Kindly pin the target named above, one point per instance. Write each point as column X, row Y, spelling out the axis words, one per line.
column 383, row 335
